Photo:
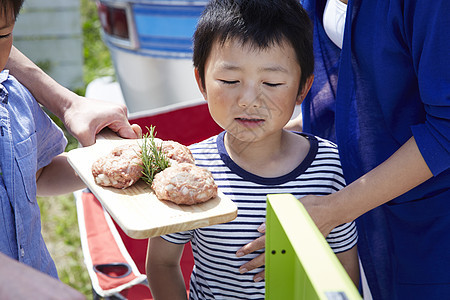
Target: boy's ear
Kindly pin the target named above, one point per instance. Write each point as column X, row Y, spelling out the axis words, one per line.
column 305, row 90
column 200, row 83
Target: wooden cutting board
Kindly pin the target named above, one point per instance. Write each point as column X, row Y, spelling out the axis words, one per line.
column 136, row 209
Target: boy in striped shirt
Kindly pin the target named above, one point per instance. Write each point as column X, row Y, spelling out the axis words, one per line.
column 253, row 64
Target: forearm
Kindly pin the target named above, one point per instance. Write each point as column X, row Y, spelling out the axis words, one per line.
column 349, row 260
column 82, row 117
column 166, row 282
column 58, row 178
column 163, row 270
column 44, row 88
column 403, row 171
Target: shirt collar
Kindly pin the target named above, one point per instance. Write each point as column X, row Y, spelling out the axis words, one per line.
column 3, row 91
column 4, row 75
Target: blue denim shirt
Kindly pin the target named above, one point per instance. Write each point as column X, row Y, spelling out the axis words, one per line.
column 28, row 141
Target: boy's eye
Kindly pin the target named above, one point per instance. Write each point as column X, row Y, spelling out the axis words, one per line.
column 272, row 84
column 4, row 36
column 229, row 81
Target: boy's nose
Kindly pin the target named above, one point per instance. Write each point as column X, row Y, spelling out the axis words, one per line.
column 250, row 97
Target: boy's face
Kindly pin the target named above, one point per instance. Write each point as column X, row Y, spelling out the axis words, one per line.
column 252, row 93
column 6, row 38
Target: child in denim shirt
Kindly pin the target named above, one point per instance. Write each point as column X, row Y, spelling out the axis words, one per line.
column 32, row 161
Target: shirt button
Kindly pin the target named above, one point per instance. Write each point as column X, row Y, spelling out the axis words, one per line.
column 22, row 252
column 3, row 97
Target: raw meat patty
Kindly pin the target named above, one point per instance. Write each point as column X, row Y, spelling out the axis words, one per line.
column 120, row 169
column 177, row 152
column 184, row 183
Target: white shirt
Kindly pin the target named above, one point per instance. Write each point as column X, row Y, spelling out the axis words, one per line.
column 334, row 21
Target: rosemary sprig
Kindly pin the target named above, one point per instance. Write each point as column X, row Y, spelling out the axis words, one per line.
column 153, row 158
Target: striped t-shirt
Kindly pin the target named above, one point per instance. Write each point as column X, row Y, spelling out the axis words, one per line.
column 216, row 271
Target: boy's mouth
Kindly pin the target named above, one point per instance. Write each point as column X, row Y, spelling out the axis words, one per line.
column 250, row 121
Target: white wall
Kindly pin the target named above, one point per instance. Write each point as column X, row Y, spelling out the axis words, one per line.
column 49, row 32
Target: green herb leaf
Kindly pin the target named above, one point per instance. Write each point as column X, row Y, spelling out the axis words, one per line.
column 153, row 158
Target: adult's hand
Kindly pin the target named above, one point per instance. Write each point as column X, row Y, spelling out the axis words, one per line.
column 85, row 118
column 295, row 124
column 259, row 243
column 19, row 281
column 321, row 212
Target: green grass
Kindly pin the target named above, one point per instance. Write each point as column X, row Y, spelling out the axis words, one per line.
column 97, row 60
column 59, row 217
column 60, row 230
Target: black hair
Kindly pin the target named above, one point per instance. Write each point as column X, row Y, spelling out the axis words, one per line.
column 8, row 5
column 259, row 23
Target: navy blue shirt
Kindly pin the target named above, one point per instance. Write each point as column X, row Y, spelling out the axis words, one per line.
column 28, row 141
column 391, row 82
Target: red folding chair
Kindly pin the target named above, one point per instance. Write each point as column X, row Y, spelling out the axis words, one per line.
column 116, row 262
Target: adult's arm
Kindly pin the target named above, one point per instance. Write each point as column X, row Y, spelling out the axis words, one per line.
column 19, row 281
column 84, row 118
column 403, row 171
column 424, row 154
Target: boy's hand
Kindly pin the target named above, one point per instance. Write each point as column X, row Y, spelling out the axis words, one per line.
column 259, row 243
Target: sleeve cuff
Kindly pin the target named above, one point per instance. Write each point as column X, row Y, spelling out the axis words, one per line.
column 434, row 150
